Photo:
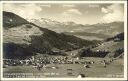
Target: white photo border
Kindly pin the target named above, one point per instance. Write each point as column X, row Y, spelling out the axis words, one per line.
column 58, row 2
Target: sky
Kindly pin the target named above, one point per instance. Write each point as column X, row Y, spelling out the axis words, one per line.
column 80, row 13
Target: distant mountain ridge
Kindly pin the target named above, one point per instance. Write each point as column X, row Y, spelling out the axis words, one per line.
column 96, row 31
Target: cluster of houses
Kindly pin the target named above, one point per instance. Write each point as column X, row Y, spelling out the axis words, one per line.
column 44, row 61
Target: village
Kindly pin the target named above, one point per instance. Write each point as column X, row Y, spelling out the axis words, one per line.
column 42, row 63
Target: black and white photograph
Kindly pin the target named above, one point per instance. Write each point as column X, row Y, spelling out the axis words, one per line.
column 79, row 40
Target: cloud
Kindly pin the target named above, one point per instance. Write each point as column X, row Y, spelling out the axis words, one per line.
column 69, row 6
column 72, row 12
column 93, row 5
column 112, row 13
column 45, row 5
column 26, row 11
column 71, row 15
column 105, row 10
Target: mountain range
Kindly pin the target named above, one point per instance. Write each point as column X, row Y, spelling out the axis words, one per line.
column 23, row 38
column 99, row 31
